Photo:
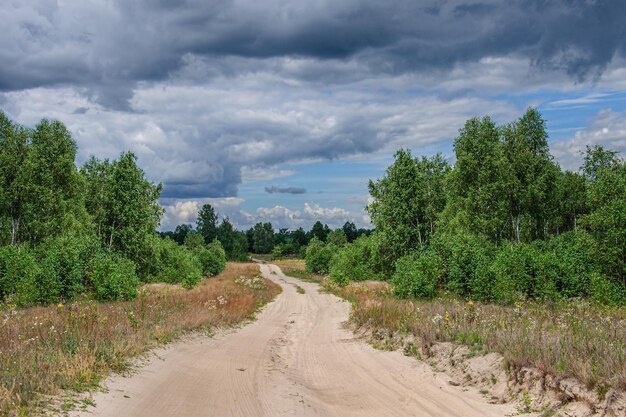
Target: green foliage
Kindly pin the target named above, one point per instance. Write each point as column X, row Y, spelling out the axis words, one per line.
column 573, row 255
column 19, row 271
column 606, row 222
column 607, row 291
column 319, row 231
column 180, row 233
column 212, row 258
column 531, row 185
column 263, row 238
column 174, row 264
column 234, row 242
column 466, row 258
column 239, row 248
column 478, row 184
column 123, row 204
column 418, row 275
column 337, row 237
column 193, row 240
column 207, row 223
column 318, row 256
column 407, row 202
column 357, row 261
column 64, row 261
column 525, row 272
column 113, row 277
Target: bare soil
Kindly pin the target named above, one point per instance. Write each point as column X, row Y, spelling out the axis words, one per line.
column 297, row 359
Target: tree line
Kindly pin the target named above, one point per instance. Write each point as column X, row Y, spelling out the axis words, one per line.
column 68, row 231
column 505, row 223
column 262, row 238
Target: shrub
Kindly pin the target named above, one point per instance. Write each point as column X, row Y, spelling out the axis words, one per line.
column 524, row 271
column 194, row 240
column 113, row 277
column 212, row 258
column 277, row 252
column 357, row 261
column 574, row 253
column 18, row 275
column 607, row 291
column 63, row 261
column 417, row 275
column 466, row 259
column 318, row 256
column 175, row 264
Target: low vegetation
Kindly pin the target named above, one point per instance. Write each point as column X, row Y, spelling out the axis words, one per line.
column 567, row 339
column 44, row 350
column 575, row 338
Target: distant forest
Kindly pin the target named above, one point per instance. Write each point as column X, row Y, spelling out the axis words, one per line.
column 263, row 238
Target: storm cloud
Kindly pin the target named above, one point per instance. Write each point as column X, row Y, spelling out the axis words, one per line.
column 213, row 94
column 107, row 47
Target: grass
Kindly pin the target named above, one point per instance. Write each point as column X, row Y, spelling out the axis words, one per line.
column 46, row 350
column 574, row 338
column 296, row 268
column 570, row 339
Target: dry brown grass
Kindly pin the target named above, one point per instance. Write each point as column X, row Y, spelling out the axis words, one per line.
column 574, row 339
column 45, row 350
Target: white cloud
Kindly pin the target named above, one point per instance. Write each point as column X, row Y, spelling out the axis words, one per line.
column 185, row 211
column 608, row 129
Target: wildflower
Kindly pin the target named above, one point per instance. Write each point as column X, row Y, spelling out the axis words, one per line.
column 60, row 306
column 470, row 303
column 447, row 318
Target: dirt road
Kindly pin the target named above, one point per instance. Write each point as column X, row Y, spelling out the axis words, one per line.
column 296, row 359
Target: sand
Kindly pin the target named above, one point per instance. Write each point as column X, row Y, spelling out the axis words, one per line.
column 296, row 359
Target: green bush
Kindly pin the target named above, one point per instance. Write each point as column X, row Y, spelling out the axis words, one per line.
column 318, row 256
column 113, row 277
column 607, row 291
column 19, row 271
column 212, row 258
column 523, row 272
column 63, row 261
column 466, row 259
column 574, row 253
column 175, row 264
column 417, row 275
column 357, row 261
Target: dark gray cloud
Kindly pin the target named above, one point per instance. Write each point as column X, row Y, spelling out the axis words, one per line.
column 285, row 190
column 203, row 91
column 106, row 48
column 81, row 110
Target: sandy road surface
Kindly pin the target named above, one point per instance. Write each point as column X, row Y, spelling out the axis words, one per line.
column 296, row 359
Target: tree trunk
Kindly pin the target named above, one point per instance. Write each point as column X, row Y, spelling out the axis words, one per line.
column 516, row 227
column 15, row 227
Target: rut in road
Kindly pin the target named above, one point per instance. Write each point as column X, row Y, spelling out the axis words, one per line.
column 296, row 359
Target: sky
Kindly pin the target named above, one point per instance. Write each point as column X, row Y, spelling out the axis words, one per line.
column 282, row 110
